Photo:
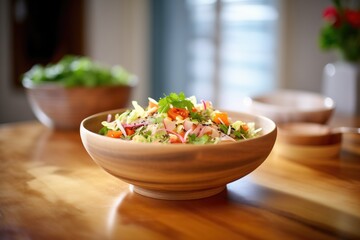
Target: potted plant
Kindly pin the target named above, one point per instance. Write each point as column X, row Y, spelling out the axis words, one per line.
column 62, row 94
column 341, row 33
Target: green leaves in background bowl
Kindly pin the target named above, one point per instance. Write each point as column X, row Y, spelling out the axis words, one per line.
column 73, row 71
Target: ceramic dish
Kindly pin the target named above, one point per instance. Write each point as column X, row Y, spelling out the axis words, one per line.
column 178, row 171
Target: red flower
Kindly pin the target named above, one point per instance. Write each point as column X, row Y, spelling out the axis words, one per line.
column 341, row 30
column 330, row 14
column 353, row 17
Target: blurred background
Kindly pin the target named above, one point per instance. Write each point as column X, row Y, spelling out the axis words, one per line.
column 219, row 50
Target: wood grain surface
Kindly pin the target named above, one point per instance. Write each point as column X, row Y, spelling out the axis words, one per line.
column 51, row 189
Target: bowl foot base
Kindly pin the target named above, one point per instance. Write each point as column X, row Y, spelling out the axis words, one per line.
column 178, row 195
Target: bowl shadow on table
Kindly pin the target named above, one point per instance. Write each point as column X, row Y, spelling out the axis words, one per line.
column 243, row 209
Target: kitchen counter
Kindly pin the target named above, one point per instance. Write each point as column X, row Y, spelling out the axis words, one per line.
column 51, row 189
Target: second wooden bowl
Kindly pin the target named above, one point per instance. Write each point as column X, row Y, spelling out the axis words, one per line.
column 64, row 108
column 308, row 141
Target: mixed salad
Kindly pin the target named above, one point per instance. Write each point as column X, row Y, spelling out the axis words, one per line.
column 177, row 119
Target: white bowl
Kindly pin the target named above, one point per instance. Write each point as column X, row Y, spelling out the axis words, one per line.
column 292, row 106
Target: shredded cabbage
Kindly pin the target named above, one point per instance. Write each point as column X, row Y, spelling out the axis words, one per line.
column 180, row 120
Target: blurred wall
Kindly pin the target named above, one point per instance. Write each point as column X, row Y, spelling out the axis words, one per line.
column 13, row 103
column 117, row 32
column 302, row 60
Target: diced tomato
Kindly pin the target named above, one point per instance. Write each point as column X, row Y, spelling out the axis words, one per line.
column 174, row 112
column 114, row 134
column 221, row 117
column 129, row 131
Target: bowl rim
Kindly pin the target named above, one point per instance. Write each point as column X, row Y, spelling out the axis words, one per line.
column 329, row 103
column 29, row 84
column 255, row 116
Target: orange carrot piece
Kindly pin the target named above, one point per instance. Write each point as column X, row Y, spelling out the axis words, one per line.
column 114, row 134
column 221, row 117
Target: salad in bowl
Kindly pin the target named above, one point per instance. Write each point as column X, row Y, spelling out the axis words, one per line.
column 176, row 118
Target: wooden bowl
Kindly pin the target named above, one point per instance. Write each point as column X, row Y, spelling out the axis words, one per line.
column 308, row 141
column 64, row 108
column 178, row 171
column 292, row 106
column 307, row 134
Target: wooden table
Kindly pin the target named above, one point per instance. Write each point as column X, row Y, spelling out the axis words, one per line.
column 51, row 189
